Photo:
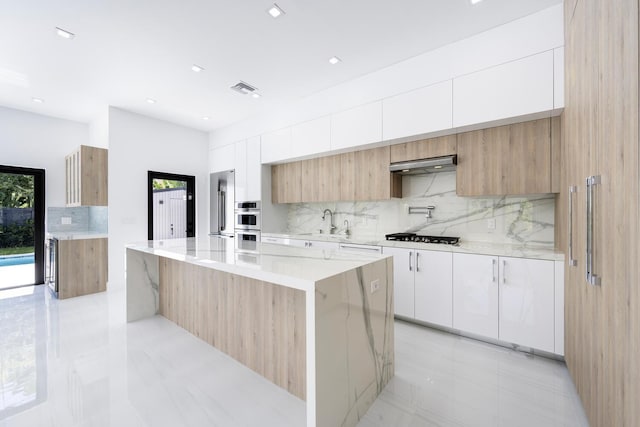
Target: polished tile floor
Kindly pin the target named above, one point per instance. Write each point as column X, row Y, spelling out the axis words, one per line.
column 77, row 363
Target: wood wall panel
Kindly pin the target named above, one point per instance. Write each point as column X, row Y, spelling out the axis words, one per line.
column 260, row 324
column 82, row 267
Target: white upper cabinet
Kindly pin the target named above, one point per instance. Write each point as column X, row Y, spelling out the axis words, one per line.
column 357, row 126
column 222, row 158
column 311, row 137
column 558, row 78
column 508, row 90
column 276, row 145
column 248, row 176
column 420, row 111
column 254, row 170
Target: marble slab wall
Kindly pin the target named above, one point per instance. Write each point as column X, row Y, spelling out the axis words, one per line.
column 354, row 342
column 83, row 219
column 523, row 220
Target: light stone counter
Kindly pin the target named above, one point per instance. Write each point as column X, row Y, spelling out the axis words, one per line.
column 76, row 235
column 317, row 323
column 480, row 248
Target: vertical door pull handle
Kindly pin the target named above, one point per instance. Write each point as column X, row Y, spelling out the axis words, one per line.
column 504, row 271
column 410, row 256
column 493, row 270
column 417, row 261
column 572, row 261
column 592, row 278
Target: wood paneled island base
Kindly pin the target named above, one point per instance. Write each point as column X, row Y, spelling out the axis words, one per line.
column 259, row 324
column 317, row 323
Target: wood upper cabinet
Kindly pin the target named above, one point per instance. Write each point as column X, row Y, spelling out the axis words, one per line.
column 423, row 149
column 373, row 181
column 286, row 183
column 513, row 159
column 360, row 175
column 86, row 172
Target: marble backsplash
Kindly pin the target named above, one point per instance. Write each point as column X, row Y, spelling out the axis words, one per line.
column 82, row 219
column 520, row 220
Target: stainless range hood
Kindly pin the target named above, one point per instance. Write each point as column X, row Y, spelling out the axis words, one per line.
column 423, row 166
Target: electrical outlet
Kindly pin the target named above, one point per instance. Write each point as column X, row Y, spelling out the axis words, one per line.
column 491, row 223
column 375, row 285
column 65, row 220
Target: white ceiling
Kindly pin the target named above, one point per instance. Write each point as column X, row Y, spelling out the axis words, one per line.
column 126, row 51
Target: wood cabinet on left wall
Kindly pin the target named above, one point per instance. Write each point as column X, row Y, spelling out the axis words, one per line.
column 82, row 268
column 86, row 171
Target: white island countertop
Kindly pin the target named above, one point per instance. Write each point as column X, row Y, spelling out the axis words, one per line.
column 294, row 267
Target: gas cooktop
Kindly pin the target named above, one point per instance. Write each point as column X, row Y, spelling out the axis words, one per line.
column 412, row 237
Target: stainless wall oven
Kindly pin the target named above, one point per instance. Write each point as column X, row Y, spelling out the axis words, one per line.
column 247, row 216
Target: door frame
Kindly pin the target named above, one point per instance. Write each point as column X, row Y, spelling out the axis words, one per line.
column 38, row 215
column 191, row 200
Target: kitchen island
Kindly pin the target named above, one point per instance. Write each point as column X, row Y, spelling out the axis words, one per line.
column 316, row 323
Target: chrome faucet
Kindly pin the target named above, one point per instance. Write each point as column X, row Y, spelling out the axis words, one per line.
column 332, row 228
column 429, row 211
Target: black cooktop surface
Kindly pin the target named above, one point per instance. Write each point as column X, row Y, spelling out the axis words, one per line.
column 412, row 237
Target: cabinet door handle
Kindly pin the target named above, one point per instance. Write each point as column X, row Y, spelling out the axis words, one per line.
column 493, row 269
column 410, row 256
column 417, row 261
column 572, row 261
column 592, row 278
column 504, row 271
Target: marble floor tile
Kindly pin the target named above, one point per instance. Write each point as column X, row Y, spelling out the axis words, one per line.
column 77, row 362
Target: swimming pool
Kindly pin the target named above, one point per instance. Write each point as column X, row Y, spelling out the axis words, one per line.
column 6, row 260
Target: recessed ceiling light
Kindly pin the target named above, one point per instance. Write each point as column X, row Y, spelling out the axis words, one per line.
column 64, row 33
column 256, row 95
column 37, row 100
column 196, row 68
column 151, row 101
column 205, row 118
column 475, row 1
column 334, row 60
column 275, row 11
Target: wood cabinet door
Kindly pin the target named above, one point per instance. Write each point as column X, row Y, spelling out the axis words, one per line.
column 310, row 180
column 513, row 159
column 434, row 287
column 286, row 183
column 373, row 181
column 475, row 294
column 403, row 280
column 347, row 185
column 424, row 149
column 526, row 307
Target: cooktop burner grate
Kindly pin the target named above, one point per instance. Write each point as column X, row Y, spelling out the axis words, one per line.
column 412, row 237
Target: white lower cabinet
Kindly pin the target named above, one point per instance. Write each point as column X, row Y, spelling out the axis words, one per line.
column 422, row 283
column 510, row 299
column 475, row 294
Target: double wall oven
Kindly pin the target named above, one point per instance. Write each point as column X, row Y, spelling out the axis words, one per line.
column 247, row 221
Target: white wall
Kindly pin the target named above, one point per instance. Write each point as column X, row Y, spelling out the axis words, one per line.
column 36, row 141
column 523, row 37
column 138, row 144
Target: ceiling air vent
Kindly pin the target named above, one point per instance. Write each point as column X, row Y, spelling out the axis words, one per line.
column 244, row 88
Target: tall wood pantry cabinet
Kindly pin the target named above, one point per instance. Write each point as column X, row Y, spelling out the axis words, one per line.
column 598, row 208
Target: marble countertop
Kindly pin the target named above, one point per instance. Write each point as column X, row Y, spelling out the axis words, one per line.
column 290, row 266
column 481, row 248
column 76, row 235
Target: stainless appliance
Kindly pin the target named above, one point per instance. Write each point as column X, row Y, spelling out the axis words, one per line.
column 247, row 221
column 222, row 188
column 51, row 264
column 247, row 216
column 412, row 237
column 423, row 166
